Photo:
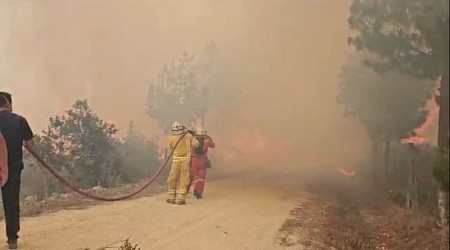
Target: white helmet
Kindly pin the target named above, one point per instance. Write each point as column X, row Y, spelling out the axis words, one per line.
column 201, row 131
column 177, row 128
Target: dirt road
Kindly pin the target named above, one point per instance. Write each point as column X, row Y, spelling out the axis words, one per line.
column 238, row 212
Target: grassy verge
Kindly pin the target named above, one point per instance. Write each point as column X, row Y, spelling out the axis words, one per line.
column 340, row 216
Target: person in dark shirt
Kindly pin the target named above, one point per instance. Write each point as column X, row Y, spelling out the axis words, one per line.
column 3, row 161
column 17, row 134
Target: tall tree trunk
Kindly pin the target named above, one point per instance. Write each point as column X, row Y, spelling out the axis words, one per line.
column 387, row 151
column 443, row 130
column 412, row 198
column 46, row 185
column 375, row 165
column 442, row 206
column 443, row 138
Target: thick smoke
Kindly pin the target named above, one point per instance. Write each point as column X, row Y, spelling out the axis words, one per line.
column 286, row 58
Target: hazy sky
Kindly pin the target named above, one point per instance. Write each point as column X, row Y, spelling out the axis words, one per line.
column 287, row 56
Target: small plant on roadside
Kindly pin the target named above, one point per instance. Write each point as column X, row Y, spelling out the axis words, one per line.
column 126, row 245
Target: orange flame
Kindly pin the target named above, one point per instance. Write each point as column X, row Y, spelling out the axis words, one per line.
column 422, row 133
column 347, row 173
column 254, row 146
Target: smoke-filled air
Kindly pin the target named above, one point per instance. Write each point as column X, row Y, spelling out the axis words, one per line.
column 309, row 124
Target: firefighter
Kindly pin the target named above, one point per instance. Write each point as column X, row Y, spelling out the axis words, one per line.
column 179, row 178
column 200, row 161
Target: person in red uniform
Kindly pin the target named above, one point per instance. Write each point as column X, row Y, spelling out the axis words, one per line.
column 200, row 161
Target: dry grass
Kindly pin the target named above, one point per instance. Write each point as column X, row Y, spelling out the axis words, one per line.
column 353, row 217
column 120, row 245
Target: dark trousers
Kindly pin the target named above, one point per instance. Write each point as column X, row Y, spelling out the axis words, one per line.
column 11, row 203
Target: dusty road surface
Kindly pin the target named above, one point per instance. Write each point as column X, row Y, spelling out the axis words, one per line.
column 240, row 211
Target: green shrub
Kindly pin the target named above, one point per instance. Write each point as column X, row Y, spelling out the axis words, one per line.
column 441, row 170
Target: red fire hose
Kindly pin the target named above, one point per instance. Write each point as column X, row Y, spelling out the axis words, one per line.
column 95, row 197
